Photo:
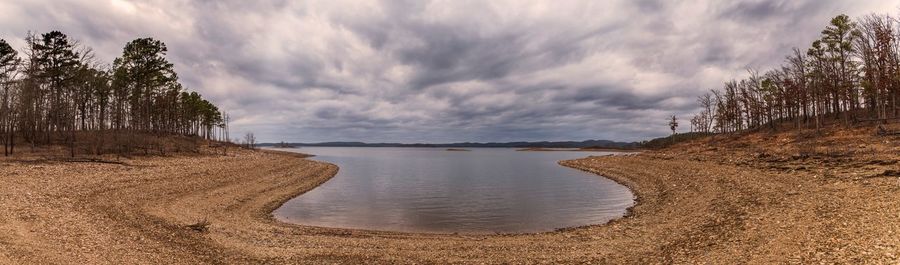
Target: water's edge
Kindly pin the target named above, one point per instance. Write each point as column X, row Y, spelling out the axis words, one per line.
column 628, row 211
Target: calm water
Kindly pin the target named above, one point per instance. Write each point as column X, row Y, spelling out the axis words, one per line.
column 433, row 190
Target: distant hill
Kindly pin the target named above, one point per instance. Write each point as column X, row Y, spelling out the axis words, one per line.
column 543, row 144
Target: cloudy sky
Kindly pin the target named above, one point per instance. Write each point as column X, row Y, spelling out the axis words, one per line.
column 447, row 71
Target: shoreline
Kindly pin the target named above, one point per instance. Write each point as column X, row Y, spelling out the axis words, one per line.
column 611, row 150
column 277, row 202
column 624, row 181
column 687, row 210
column 562, row 163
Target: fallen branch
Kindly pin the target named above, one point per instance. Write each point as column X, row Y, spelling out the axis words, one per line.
column 882, row 131
column 200, row 226
column 93, row 160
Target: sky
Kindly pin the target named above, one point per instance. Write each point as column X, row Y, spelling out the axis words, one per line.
column 447, row 70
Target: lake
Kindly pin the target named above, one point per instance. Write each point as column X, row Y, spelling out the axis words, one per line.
column 432, row 190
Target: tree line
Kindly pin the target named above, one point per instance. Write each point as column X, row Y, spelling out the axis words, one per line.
column 55, row 91
column 850, row 74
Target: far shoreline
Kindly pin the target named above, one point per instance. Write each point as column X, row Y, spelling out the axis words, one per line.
column 519, row 149
column 551, row 149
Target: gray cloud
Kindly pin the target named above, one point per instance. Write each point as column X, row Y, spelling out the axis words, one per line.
column 444, row 71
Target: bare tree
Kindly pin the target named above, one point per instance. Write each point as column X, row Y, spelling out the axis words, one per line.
column 250, row 140
column 673, row 124
column 851, row 72
column 9, row 63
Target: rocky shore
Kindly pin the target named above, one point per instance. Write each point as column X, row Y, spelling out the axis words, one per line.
column 702, row 205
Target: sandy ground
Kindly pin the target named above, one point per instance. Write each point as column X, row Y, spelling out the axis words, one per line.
column 702, row 205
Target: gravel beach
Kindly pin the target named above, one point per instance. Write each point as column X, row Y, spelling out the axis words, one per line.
column 701, row 205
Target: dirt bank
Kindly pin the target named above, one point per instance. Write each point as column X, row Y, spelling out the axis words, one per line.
column 691, row 209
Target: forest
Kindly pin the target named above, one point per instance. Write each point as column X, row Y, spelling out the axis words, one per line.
column 848, row 75
column 55, row 92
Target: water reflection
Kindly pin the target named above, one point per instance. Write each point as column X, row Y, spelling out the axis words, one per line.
column 485, row 190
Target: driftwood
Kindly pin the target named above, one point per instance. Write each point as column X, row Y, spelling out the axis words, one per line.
column 200, row 226
column 882, row 131
column 880, row 119
column 890, row 173
column 93, row 160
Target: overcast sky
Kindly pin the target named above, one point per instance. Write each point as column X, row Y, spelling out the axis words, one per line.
column 447, row 71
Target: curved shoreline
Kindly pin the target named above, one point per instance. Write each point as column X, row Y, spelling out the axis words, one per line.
column 281, row 200
column 688, row 210
column 624, row 181
column 564, row 163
